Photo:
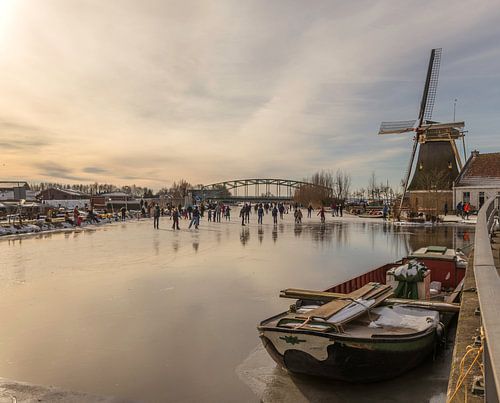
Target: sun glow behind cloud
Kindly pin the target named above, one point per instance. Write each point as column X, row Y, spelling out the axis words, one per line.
column 150, row 92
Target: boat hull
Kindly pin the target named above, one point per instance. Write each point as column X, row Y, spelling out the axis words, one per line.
column 366, row 360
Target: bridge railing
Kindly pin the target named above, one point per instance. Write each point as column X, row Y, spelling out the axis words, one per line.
column 488, row 289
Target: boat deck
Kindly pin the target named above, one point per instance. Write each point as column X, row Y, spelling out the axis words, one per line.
column 385, row 322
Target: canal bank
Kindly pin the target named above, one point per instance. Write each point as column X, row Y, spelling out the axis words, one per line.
column 22, row 392
column 475, row 371
column 467, row 343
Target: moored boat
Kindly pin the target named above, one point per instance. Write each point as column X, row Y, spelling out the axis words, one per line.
column 355, row 331
column 372, row 214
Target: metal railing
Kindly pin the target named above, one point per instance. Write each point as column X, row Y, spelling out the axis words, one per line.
column 488, row 289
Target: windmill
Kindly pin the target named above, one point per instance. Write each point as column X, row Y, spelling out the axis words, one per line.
column 437, row 151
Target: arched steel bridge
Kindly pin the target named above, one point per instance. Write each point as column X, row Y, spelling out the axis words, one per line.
column 268, row 188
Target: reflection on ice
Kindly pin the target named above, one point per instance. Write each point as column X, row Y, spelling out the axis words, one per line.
column 158, row 315
column 271, row 384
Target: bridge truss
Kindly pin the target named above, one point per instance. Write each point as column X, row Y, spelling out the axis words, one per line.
column 269, row 188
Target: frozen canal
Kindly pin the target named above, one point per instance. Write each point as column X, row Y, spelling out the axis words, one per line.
column 156, row 315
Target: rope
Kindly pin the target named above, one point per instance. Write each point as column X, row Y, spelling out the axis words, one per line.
column 461, row 378
column 366, row 308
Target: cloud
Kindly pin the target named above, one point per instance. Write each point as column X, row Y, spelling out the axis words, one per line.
column 57, row 171
column 18, row 144
column 15, row 136
column 95, row 170
column 221, row 90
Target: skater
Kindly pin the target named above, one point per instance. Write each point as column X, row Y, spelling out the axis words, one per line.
column 260, row 214
column 242, row 215
column 156, row 216
column 467, row 209
column 281, row 209
column 76, row 216
column 275, row 215
column 195, row 218
column 218, row 212
column 298, row 216
column 309, row 210
column 175, row 219
column 321, row 213
column 385, row 211
column 460, row 209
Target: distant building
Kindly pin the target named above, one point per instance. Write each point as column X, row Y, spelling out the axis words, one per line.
column 13, row 190
column 479, row 179
column 113, row 201
column 62, row 194
column 67, row 198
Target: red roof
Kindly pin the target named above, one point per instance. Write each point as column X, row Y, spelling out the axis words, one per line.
column 481, row 170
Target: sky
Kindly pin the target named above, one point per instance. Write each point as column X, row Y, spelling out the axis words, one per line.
column 149, row 92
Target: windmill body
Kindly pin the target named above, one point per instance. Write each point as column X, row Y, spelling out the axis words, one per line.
column 434, row 160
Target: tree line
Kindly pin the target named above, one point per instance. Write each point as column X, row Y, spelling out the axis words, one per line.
column 329, row 187
column 326, row 187
column 177, row 190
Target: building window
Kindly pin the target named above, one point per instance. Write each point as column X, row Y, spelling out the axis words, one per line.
column 481, row 199
column 466, row 197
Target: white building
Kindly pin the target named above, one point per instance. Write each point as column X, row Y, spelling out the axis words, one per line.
column 479, row 179
column 13, row 190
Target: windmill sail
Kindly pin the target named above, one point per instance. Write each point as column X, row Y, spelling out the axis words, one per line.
column 401, row 126
column 430, row 88
column 426, row 104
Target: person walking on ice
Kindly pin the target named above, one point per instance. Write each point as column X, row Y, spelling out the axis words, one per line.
column 156, row 217
column 175, row 219
column 321, row 213
column 260, row 214
column 242, row 215
column 309, row 210
column 275, row 215
column 195, row 218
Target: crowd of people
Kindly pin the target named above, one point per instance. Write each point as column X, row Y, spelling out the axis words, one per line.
column 218, row 212
column 215, row 212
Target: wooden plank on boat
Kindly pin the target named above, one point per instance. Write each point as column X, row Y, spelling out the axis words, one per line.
column 381, row 289
column 352, row 315
column 433, row 305
column 329, row 309
column 453, row 296
column 380, row 298
column 297, row 293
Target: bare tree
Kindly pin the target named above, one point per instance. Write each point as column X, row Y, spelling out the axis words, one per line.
column 433, row 181
column 372, row 185
column 180, row 189
column 341, row 185
column 318, row 192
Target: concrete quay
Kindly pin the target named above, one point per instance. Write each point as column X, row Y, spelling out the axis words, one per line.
column 469, row 370
column 468, row 328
